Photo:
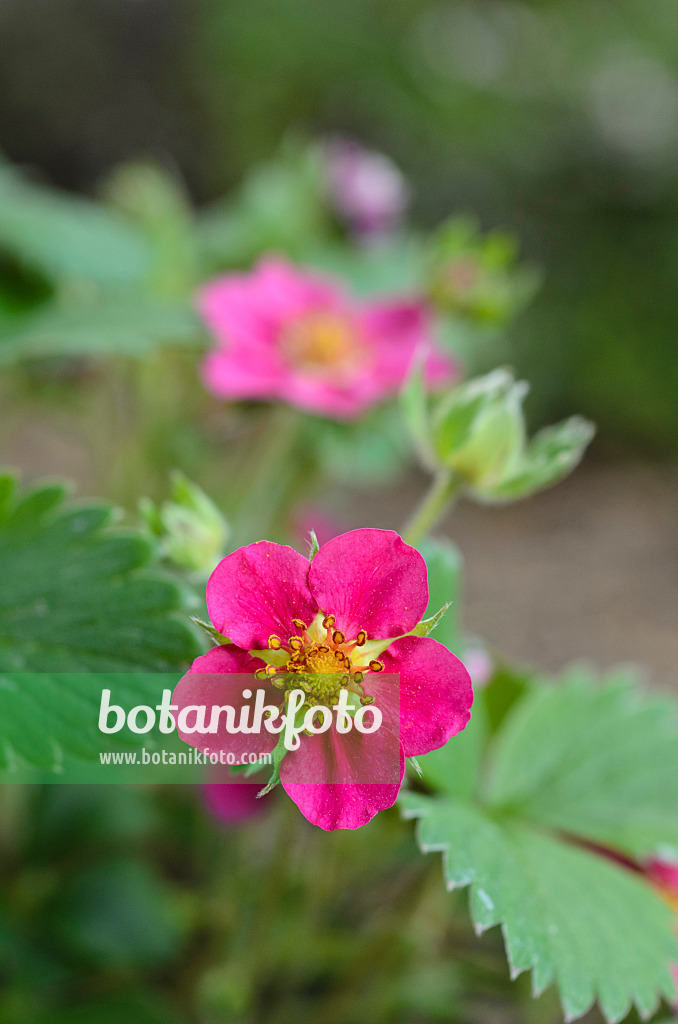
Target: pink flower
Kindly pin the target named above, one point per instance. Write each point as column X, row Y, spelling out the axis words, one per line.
column 337, row 622
column 315, row 518
column 664, row 874
column 479, row 665
column 284, row 334
column 233, row 803
column 366, row 188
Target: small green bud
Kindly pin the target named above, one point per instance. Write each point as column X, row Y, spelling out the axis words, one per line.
column 477, row 277
column 191, row 529
column 478, row 430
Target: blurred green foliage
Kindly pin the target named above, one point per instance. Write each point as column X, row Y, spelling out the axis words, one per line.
column 554, row 118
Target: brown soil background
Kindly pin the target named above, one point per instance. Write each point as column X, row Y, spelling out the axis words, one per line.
column 585, row 572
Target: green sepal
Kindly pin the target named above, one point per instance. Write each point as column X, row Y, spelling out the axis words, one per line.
column 314, row 545
column 279, row 752
column 427, row 626
column 218, row 639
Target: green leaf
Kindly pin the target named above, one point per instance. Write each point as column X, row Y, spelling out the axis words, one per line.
column 105, row 324
column 595, row 761
column 414, row 405
column 157, row 202
column 568, row 765
column 444, row 564
column 68, row 237
column 455, row 768
column 550, row 456
column 566, row 914
column 79, row 597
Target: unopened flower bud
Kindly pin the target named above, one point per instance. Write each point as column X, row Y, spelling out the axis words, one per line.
column 191, row 529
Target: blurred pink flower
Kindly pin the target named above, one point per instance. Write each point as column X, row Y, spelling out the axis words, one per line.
column 340, row 621
column 233, row 803
column 286, row 335
column 369, row 193
column 479, row 665
column 315, row 518
column 664, row 874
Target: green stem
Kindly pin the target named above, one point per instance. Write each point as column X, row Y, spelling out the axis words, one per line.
column 259, row 508
column 435, row 502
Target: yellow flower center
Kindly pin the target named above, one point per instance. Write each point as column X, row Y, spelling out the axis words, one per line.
column 322, row 341
column 321, row 661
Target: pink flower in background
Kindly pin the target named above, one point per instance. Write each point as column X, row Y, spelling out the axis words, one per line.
column 232, row 803
column 315, row 518
column 664, row 874
column 284, row 334
column 479, row 665
column 337, row 622
column 366, row 188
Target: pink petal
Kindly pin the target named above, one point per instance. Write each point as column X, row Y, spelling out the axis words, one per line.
column 371, row 580
column 332, row 805
column 217, row 678
column 258, row 590
column 663, row 873
column 293, row 291
column 322, row 396
column 401, row 331
column 228, row 376
column 226, row 658
column 251, row 308
column 243, row 325
column 435, row 692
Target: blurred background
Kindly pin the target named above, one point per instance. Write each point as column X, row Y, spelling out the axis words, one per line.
column 554, row 119
column 557, row 120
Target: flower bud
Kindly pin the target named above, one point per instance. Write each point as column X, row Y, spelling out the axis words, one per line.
column 478, row 431
column 367, row 190
column 191, row 529
column 477, row 277
column 475, row 434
